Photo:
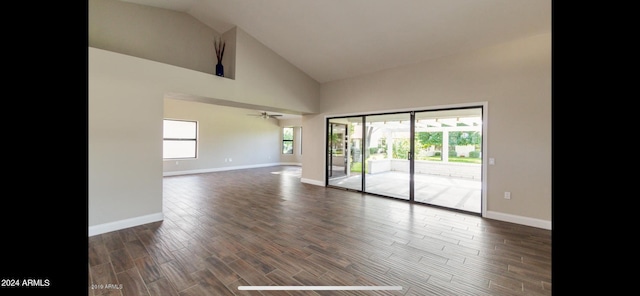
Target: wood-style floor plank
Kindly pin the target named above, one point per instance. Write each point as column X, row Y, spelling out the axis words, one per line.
column 177, row 275
column 112, row 241
column 263, row 227
column 121, row 260
column 249, row 274
column 104, row 280
column 162, row 287
column 149, row 269
column 207, row 284
column 218, row 268
column 132, row 283
column 98, row 253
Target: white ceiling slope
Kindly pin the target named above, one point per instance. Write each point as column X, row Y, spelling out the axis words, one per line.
column 335, row 39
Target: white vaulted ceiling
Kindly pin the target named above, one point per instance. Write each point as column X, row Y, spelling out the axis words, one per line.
column 335, row 39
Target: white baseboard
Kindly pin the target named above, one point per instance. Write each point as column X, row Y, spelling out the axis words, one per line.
column 312, row 182
column 290, row 163
column 126, row 223
column 231, row 168
column 544, row 224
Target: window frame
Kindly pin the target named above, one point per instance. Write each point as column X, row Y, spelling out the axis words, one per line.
column 291, row 142
column 195, row 139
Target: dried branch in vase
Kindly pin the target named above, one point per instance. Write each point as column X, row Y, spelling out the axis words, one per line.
column 219, row 46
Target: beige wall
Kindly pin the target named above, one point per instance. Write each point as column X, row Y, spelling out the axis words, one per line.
column 125, row 137
column 152, row 33
column 227, row 138
column 266, row 77
column 262, row 78
column 514, row 79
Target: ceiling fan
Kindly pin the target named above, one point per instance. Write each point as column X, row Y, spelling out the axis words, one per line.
column 265, row 115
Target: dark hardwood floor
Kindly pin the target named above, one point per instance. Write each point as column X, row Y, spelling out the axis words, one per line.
column 263, row 227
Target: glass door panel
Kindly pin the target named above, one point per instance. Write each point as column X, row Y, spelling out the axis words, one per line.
column 386, row 153
column 432, row 157
column 448, row 158
column 344, row 159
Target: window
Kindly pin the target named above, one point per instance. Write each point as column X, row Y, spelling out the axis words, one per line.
column 287, row 140
column 180, row 139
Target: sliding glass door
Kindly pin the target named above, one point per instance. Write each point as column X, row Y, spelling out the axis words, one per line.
column 425, row 156
column 387, row 153
column 344, row 157
column 448, row 158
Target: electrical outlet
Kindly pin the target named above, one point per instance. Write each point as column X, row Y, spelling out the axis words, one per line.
column 507, row 195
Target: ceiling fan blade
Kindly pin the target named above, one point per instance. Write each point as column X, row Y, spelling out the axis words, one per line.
column 265, row 115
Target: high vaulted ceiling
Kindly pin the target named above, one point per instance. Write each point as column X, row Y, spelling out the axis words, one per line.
column 335, row 39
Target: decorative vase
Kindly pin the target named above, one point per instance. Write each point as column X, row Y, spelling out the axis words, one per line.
column 219, row 69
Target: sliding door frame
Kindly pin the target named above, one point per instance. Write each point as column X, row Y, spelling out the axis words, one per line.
column 412, row 111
